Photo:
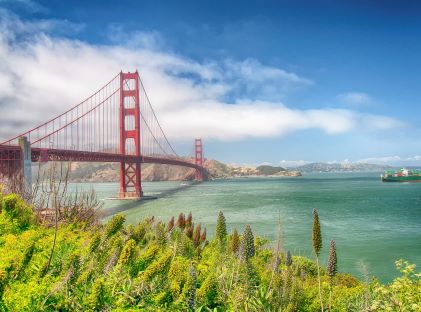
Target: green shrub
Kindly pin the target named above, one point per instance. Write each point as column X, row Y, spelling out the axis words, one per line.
column 158, row 267
column 126, row 256
column 114, row 225
column 16, row 209
column 177, row 274
column 97, row 299
column 207, row 294
column 402, row 294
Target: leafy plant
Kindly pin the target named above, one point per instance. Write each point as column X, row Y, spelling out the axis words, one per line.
column 317, row 246
column 247, row 243
column 235, row 242
column 221, row 230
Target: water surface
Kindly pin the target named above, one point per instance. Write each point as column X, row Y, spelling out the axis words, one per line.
column 372, row 222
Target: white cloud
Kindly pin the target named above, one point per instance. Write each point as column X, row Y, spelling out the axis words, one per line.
column 12, row 28
column 381, row 122
column 293, row 163
column 393, row 160
column 355, row 98
column 43, row 75
column 151, row 40
column 253, row 80
column 29, row 5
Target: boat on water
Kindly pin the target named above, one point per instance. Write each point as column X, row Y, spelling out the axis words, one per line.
column 402, row 175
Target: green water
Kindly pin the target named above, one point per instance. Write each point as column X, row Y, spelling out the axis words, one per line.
column 372, row 222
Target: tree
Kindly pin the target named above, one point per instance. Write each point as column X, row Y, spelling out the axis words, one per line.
column 221, row 230
column 247, row 246
column 317, row 246
column 331, row 269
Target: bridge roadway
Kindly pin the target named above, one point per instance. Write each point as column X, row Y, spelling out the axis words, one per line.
column 8, row 152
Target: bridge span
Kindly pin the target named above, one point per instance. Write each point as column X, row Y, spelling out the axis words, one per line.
column 115, row 124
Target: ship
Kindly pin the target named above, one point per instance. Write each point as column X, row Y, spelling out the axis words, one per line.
column 402, row 175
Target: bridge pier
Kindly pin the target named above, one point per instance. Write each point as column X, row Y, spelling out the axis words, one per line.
column 130, row 172
column 25, row 147
column 198, row 157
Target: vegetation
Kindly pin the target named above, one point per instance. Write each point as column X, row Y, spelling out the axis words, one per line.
column 331, row 269
column 317, row 247
column 269, row 170
column 221, row 230
column 154, row 266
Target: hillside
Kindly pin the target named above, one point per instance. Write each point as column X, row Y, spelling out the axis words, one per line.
column 270, row 170
column 109, row 172
column 340, row 167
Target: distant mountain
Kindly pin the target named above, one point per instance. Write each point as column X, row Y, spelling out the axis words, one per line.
column 341, row 167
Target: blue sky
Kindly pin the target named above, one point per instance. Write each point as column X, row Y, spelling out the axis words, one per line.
column 311, row 80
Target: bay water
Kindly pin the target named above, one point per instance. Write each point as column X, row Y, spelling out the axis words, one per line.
column 373, row 223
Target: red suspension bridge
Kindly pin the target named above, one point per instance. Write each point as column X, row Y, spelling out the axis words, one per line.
column 115, row 124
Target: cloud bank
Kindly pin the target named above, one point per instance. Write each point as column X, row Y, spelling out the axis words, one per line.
column 43, row 74
column 394, row 160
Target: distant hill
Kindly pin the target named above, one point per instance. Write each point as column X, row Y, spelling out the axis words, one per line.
column 341, row 167
column 109, row 172
column 270, row 170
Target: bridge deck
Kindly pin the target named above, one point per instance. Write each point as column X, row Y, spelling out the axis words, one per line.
column 38, row 154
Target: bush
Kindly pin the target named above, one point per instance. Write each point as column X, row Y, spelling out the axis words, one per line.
column 17, row 210
column 402, row 294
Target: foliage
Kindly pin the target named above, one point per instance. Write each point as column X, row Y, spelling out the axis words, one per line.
column 181, row 222
column 269, row 170
column 288, row 258
column 317, row 246
column 247, row 243
column 317, row 233
column 331, row 269
column 170, row 224
column 16, row 209
column 114, row 225
column 332, row 261
column 402, row 294
column 133, row 268
column 235, row 242
column 221, row 229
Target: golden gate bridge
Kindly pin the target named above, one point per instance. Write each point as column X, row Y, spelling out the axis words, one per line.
column 115, row 124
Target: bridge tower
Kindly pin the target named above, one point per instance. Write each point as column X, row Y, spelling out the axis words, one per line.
column 198, row 157
column 130, row 172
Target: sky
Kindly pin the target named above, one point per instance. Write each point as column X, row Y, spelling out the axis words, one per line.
column 279, row 82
